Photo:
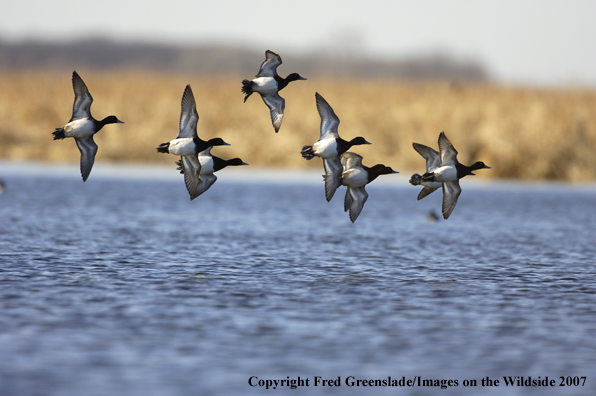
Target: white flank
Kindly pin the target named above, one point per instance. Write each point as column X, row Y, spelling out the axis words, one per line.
column 326, row 148
column 265, row 85
column 446, row 173
column 182, row 146
column 81, row 128
column 206, row 162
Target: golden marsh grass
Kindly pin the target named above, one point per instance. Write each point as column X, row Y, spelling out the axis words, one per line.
column 520, row 132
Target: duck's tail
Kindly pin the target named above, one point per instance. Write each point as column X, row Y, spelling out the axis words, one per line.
column 307, row 152
column 416, row 179
column 59, row 134
column 180, row 168
column 246, row 88
column 428, row 177
column 164, row 148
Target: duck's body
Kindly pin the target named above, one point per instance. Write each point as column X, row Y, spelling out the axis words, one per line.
column 268, row 83
column 329, row 147
column 82, row 126
column 449, row 172
column 187, row 144
column 432, row 164
column 355, row 177
column 209, row 164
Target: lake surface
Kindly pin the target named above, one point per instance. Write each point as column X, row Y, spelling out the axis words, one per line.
column 122, row 286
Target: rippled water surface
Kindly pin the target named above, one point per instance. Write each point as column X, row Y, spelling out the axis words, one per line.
column 122, row 286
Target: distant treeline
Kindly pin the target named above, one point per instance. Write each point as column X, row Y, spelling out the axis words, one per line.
column 103, row 54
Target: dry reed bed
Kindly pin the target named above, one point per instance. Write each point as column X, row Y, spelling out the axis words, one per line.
column 521, row 133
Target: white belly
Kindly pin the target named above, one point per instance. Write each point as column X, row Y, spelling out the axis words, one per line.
column 264, row 85
column 206, row 162
column 326, row 148
column 79, row 128
column 354, row 177
column 182, row 146
column 446, row 173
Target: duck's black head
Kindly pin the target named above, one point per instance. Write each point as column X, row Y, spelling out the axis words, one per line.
column 478, row 165
column 236, row 162
column 217, row 142
column 294, row 77
column 377, row 170
column 111, row 120
column 219, row 163
column 358, row 140
column 283, row 82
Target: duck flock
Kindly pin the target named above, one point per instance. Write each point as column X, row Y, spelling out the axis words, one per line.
column 342, row 168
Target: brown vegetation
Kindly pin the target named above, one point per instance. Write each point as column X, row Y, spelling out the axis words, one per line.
column 520, row 132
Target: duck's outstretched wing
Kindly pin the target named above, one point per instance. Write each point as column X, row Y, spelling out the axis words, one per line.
column 451, row 191
column 88, row 149
column 426, row 191
column 354, row 201
column 332, row 176
column 191, row 168
column 81, row 107
column 351, row 160
column 205, row 181
column 277, row 106
column 448, row 154
column 188, row 115
column 329, row 121
column 433, row 160
column 269, row 66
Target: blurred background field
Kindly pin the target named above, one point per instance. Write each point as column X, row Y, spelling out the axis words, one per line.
column 525, row 133
column 521, row 98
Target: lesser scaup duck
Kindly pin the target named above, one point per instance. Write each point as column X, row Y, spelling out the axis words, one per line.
column 209, row 165
column 187, row 144
column 267, row 83
column 355, row 176
column 432, row 163
column 82, row 126
column 329, row 147
column 449, row 172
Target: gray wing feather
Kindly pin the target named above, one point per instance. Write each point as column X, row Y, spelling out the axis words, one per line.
column 433, row 160
column 329, row 121
column 269, row 66
column 191, row 169
column 88, row 149
column 188, row 115
column 205, row 181
column 277, row 106
column 351, row 160
column 81, row 107
column 426, row 191
column 333, row 170
column 358, row 197
column 451, row 191
column 448, row 152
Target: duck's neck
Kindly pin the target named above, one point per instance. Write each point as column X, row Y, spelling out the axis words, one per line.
column 376, row 171
column 463, row 170
column 281, row 82
column 101, row 123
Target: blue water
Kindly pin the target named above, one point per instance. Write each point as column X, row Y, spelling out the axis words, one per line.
column 122, row 286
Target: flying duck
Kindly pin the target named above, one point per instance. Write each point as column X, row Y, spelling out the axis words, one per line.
column 82, row 126
column 187, row 144
column 449, row 172
column 432, row 162
column 209, row 165
column 268, row 84
column 355, row 177
column 329, row 147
